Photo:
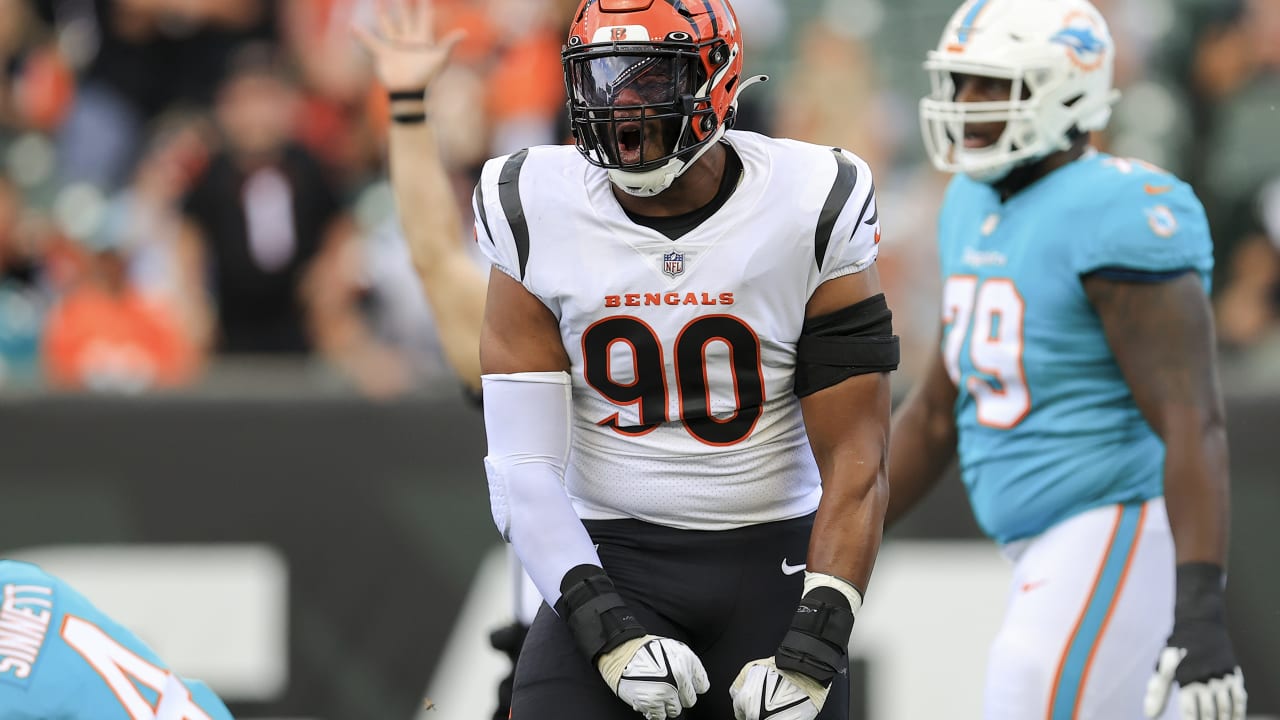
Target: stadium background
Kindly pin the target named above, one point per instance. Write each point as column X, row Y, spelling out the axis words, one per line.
column 296, row 512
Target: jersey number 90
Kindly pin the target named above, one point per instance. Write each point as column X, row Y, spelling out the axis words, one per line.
column 648, row 386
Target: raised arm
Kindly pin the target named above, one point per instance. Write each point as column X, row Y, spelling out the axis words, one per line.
column 924, row 432
column 1161, row 334
column 408, row 59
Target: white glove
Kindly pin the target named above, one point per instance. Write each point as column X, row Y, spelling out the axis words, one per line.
column 1221, row 698
column 762, row 691
column 658, row 677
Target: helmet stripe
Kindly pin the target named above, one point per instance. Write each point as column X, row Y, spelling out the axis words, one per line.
column 586, row 5
column 693, row 25
column 966, row 25
column 715, row 25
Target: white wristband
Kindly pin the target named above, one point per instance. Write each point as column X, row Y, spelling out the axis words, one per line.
column 813, row 580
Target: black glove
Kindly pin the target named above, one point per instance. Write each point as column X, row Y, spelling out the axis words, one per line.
column 1198, row 655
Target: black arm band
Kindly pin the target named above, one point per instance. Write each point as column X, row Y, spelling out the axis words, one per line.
column 399, row 95
column 857, row 340
column 597, row 616
column 416, row 118
column 818, row 640
column 1200, row 593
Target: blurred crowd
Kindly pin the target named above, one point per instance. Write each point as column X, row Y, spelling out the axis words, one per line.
column 187, row 183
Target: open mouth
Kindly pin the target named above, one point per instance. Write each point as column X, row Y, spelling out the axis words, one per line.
column 630, row 139
column 979, row 137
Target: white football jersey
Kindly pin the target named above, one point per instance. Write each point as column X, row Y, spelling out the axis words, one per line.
column 684, row 352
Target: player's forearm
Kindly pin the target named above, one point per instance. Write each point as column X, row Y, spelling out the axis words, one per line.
column 850, row 521
column 924, row 445
column 1197, row 488
column 852, row 456
column 454, row 286
column 455, row 290
column 424, row 196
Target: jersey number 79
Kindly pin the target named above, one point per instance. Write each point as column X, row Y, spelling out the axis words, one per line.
column 989, row 314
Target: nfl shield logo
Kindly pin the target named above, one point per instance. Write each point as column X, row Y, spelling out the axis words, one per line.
column 673, row 263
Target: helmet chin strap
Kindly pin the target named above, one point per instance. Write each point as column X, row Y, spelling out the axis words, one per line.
column 999, row 175
column 655, row 181
column 652, row 182
column 991, row 176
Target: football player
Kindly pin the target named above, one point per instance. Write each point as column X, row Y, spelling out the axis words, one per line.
column 1075, row 376
column 61, row 657
column 694, row 311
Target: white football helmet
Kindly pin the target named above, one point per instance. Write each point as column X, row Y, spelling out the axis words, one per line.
column 1060, row 58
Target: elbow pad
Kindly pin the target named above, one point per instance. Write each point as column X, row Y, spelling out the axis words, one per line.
column 499, row 507
column 857, row 340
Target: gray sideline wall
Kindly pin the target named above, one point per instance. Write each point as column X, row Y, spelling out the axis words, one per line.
column 377, row 519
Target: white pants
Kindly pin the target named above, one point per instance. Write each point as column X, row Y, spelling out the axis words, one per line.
column 1089, row 608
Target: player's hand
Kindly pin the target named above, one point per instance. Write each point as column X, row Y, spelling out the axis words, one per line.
column 761, row 691
column 658, row 677
column 406, row 54
column 1198, row 655
column 1211, row 686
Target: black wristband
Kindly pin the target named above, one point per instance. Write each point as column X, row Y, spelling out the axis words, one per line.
column 596, row 614
column 1200, row 593
column 410, row 118
column 399, row 95
column 818, row 640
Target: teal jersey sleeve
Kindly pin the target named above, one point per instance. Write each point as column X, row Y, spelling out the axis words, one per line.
column 1148, row 222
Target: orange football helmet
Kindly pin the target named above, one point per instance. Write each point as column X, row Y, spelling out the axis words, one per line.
column 651, row 84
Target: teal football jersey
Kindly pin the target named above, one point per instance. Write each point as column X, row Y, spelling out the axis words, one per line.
column 63, row 659
column 1047, row 425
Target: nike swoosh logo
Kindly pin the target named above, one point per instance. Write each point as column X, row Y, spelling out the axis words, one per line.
column 664, row 664
column 1156, row 189
column 766, row 713
column 1029, row 586
column 792, row 569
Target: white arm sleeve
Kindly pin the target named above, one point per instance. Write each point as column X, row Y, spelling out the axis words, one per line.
column 527, row 421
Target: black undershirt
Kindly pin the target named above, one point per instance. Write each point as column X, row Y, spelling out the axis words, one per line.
column 677, row 226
